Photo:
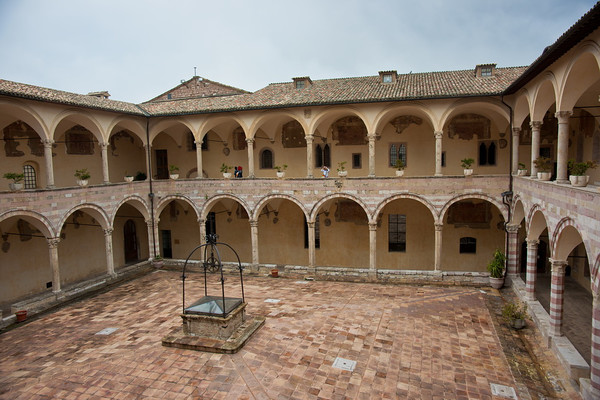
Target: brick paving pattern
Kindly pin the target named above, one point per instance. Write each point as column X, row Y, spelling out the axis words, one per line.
column 413, row 342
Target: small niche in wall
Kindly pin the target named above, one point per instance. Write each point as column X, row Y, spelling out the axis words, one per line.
column 48, row 285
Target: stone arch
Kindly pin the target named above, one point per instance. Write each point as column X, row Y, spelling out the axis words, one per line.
column 565, row 238
column 521, row 107
column 582, row 72
column 136, row 202
column 315, row 208
column 495, row 111
column 543, row 96
column 536, row 222
column 36, row 219
column 276, row 120
column 174, row 128
column 410, row 196
column 167, row 199
column 503, row 210
column 79, row 117
column 215, row 199
column 595, row 276
column 518, row 211
column 326, row 117
column 270, row 197
column 16, row 110
column 222, row 126
column 417, row 109
column 95, row 211
column 137, row 127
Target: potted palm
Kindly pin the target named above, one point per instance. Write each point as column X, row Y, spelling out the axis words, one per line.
column 522, row 169
column 341, row 169
column 17, row 180
column 128, row 178
column 173, row 172
column 466, row 164
column 399, row 167
column 281, row 170
column 544, row 166
column 225, row 169
column 82, row 176
column 496, row 269
column 577, row 172
column 515, row 314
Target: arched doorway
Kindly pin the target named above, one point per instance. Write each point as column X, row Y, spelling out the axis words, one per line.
column 130, row 242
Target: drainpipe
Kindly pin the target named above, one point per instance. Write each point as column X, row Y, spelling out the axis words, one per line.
column 151, row 194
column 507, row 196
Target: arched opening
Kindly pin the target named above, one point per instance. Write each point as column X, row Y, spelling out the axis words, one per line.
column 231, row 222
column 178, row 229
column 127, row 156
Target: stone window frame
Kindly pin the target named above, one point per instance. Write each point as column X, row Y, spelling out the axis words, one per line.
column 402, row 152
column 397, row 233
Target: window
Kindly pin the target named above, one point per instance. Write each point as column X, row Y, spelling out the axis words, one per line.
column 300, row 84
column 487, row 153
column 322, row 156
column 443, row 158
column 397, row 232
column 266, row 159
column 30, row 178
column 468, row 245
column 356, row 160
column 211, row 224
column 317, row 234
column 486, row 71
column 387, row 78
column 397, row 151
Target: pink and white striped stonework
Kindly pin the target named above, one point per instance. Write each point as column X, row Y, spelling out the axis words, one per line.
column 595, row 359
column 532, row 249
column 556, row 296
column 513, row 249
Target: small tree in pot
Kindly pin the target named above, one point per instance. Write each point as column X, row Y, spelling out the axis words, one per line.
column 496, row 269
column 466, row 164
column 543, row 165
column 17, row 180
column 577, row 172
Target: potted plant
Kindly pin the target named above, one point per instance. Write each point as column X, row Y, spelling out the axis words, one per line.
column 577, row 172
column 399, row 167
column 274, row 273
column 82, row 176
column 173, row 172
column 341, row 169
column 496, row 269
column 544, row 166
column 140, row 176
column 17, row 180
column 522, row 169
column 281, row 170
column 225, row 169
column 128, row 178
column 466, row 164
column 515, row 314
column 157, row 262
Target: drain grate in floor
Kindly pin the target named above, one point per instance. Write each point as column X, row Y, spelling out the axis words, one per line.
column 346, row 365
column 302, row 282
column 272, row 301
column 503, row 391
column 106, row 331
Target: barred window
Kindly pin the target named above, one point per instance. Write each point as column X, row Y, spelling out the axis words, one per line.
column 397, row 151
column 30, row 177
column 266, row 159
column 397, row 232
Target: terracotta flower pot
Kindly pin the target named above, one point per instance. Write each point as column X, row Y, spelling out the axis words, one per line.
column 21, row 315
column 275, row 273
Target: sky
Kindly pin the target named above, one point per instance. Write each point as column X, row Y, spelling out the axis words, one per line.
column 138, row 49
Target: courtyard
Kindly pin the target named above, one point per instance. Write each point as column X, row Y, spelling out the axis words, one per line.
column 321, row 340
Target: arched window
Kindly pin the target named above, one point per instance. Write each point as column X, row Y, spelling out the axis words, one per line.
column 327, row 156
column 266, row 159
column 487, row 153
column 30, row 177
column 468, row 245
column 491, row 158
column 483, row 154
column 318, row 156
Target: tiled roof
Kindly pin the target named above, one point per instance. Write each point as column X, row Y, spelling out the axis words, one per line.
column 428, row 85
column 25, row 91
column 411, row 86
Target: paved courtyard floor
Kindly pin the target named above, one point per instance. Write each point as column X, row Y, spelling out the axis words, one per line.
column 413, row 342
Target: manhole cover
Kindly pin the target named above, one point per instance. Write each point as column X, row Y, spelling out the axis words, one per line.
column 272, row 301
column 503, row 391
column 106, row 331
column 346, row 365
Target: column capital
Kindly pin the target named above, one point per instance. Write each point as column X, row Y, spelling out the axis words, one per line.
column 510, row 228
column 309, row 138
column 53, row 242
column 146, row 145
column 438, row 134
column 371, row 136
column 516, row 131
column 563, row 116
column 198, row 144
column 311, row 224
column 372, row 226
column 438, row 227
column 201, row 221
column 250, row 141
column 108, row 232
column 103, row 145
column 149, row 222
column 532, row 243
column 47, row 142
column 253, row 223
column 535, row 124
column 558, row 266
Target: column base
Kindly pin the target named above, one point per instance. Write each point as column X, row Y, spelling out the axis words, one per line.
column 563, row 181
column 587, row 391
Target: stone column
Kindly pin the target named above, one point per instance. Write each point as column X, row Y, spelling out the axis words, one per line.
column 535, row 145
column 199, row 158
column 254, row 238
column 153, row 240
column 562, row 152
column 595, row 356
column 53, row 248
column 515, row 150
column 202, row 224
column 438, row 152
column 371, row 137
column 309, row 155
column 108, row 243
column 49, row 164
column 557, row 291
column 532, row 253
column 311, row 245
column 105, row 174
column 373, row 248
column 438, row 247
column 250, row 158
column 148, row 151
column 512, row 253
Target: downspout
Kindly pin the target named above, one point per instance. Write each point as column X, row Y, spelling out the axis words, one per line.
column 151, row 194
column 507, row 196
